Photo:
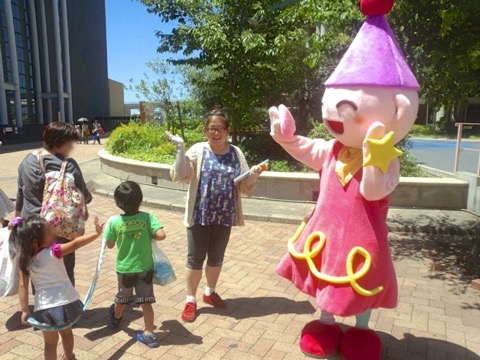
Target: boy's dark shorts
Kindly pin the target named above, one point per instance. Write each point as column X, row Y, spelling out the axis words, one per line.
column 142, row 283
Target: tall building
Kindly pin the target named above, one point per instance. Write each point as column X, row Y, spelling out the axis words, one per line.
column 53, row 63
column 117, row 99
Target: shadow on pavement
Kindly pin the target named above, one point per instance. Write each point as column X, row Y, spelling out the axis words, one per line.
column 106, row 331
column 174, row 333
column 170, row 332
column 9, row 148
column 244, row 308
column 413, row 347
column 14, row 322
column 101, row 315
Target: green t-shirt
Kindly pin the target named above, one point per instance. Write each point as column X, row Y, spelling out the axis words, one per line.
column 133, row 235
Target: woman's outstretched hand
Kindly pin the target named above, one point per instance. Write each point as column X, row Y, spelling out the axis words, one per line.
column 256, row 170
column 177, row 140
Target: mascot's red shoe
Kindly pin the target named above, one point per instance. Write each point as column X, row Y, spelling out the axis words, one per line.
column 320, row 340
column 361, row 344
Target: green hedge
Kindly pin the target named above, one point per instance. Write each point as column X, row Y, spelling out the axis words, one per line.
column 147, row 142
column 422, row 130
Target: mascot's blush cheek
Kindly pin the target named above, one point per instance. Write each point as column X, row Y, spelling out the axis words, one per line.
column 358, row 120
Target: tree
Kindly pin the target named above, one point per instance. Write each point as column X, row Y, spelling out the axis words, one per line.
column 247, row 55
column 253, row 51
column 442, row 42
column 440, row 38
column 168, row 93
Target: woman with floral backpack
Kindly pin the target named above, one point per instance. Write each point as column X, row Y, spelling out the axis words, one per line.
column 64, row 180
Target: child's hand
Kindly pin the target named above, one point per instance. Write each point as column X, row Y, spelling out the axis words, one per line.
column 25, row 315
column 98, row 227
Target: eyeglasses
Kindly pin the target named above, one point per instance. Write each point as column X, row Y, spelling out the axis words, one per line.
column 216, row 129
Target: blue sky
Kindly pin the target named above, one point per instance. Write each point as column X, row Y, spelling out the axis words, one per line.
column 131, row 41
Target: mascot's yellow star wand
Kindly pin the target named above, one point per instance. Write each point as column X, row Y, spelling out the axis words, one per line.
column 381, row 152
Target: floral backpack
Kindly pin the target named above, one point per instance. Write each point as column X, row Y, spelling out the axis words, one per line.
column 63, row 204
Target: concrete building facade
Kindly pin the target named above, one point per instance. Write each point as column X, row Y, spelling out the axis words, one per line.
column 117, row 99
column 53, row 63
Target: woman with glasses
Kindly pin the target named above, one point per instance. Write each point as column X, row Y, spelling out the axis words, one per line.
column 213, row 204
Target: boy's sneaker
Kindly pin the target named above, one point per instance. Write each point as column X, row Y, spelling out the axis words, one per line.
column 215, row 300
column 190, row 312
column 114, row 322
column 150, row 340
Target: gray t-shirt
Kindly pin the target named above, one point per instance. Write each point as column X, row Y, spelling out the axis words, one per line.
column 31, row 182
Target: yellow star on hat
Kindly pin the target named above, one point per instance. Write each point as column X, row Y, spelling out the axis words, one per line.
column 381, row 152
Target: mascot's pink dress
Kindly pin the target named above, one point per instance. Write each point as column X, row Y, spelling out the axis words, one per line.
column 340, row 254
column 347, row 220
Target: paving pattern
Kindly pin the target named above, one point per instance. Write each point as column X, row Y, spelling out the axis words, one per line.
column 438, row 317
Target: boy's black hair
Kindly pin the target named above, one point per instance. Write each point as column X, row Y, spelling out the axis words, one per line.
column 22, row 237
column 128, row 197
column 57, row 134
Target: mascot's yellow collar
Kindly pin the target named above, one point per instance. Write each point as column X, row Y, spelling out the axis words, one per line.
column 349, row 161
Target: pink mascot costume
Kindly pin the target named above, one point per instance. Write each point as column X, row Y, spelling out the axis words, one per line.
column 340, row 254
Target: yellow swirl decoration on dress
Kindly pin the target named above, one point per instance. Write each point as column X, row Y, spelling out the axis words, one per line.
column 310, row 253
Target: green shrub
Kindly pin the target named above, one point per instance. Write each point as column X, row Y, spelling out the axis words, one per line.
column 319, row 131
column 408, row 163
column 422, row 130
column 147, row 142
column 135, row 136
column 260, row 146
column 194, row 136
column 280, row 166
column 290, row 165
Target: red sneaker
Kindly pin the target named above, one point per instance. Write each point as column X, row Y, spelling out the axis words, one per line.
column 215, row 300
column 190, row 312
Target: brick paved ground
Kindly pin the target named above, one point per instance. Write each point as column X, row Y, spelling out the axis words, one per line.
column 437, row 317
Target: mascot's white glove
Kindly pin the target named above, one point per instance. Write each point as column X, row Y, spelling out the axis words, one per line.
column 181, row 163
column 282, row 124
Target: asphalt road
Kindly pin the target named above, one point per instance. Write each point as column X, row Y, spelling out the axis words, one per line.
column 440, row 154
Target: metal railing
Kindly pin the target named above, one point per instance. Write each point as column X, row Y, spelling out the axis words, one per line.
column 458, row 149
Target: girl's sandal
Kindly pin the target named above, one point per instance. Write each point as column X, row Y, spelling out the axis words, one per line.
column 72, row 358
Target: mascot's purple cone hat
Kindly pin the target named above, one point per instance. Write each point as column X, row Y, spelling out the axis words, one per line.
column 374, row 59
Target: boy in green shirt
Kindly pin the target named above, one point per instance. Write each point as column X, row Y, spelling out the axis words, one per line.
column 133, row 232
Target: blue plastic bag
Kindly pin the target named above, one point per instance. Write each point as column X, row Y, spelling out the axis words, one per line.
column 163, row 273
